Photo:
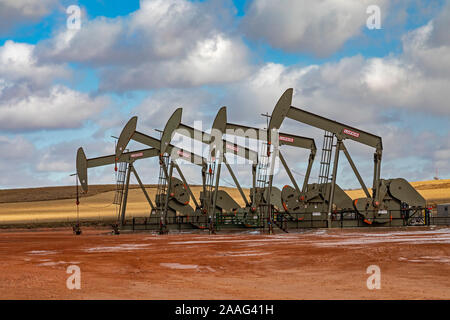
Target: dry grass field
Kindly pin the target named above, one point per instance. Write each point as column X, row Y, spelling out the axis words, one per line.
column 434, row 191
column 96, row 207
column 57, row 204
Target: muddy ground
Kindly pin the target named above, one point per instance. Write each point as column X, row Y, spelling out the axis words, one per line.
column 316, row 264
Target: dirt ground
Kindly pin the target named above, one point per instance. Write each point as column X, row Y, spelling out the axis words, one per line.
column 315, row 264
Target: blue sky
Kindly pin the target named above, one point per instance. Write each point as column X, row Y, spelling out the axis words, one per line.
column 61, row 88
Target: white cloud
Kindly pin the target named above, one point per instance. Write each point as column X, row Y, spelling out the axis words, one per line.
column 172, row 28
column 18, row 63
column 94, row 43
column 13, row 12
column 319, row 27
column 356, row 89
column 441, row 35
column 29, row 99
column 61, row 107
column 170, row 43
column 215, row 60
column 16, row 154
column 179, row 46
column 16, row 148
column 422, row 50
column 155, row 110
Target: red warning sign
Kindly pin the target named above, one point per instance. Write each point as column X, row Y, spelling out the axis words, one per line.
column 286, row 139
column 351, row 133
column 137, row 155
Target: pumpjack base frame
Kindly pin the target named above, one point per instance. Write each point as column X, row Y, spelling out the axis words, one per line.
column 281, row 221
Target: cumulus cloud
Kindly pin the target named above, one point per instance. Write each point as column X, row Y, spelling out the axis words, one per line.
column 61, row 107
column 212, row 61
column 175, row 43
column 421, row 49
column 16, row 148
column 441, row 35
column 357, row 89
column 17, row 152
column 179, row 48
column 19, row 64
column 198, row 105
column 29, row 99
column 373, row 94
column 60, row 157
column 84, row 46
column 318, row 27
column 441, row 156
column 14, row 12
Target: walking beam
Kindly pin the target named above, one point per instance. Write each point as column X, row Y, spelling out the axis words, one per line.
column 284, row 109
column 83, row 163
column 261, row 134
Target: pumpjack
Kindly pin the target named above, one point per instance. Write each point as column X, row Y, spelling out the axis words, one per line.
column 391, row 200
column 230, row 213
column 174, row 195
column 211, row 196
column 128, row 158
column 214, row 201
column 179, row 191
column 287, row 200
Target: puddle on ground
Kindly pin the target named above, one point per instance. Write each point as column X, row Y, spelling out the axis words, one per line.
column 180, row 266
column 392, row 239
column 425, row 259
column 121, row 247
column 55, row 263
column 41, row 252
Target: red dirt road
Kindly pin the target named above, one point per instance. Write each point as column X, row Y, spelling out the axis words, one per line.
column 317, row 264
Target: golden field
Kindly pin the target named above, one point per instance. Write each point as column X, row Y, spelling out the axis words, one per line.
column 98, row 207
column 434, row 191
column 21, row 206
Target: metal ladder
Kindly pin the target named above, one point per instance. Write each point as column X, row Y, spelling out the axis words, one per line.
column 210, row 187
column 120, row 183
column 325, row 161
column 161, row 191
column 262, row 183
